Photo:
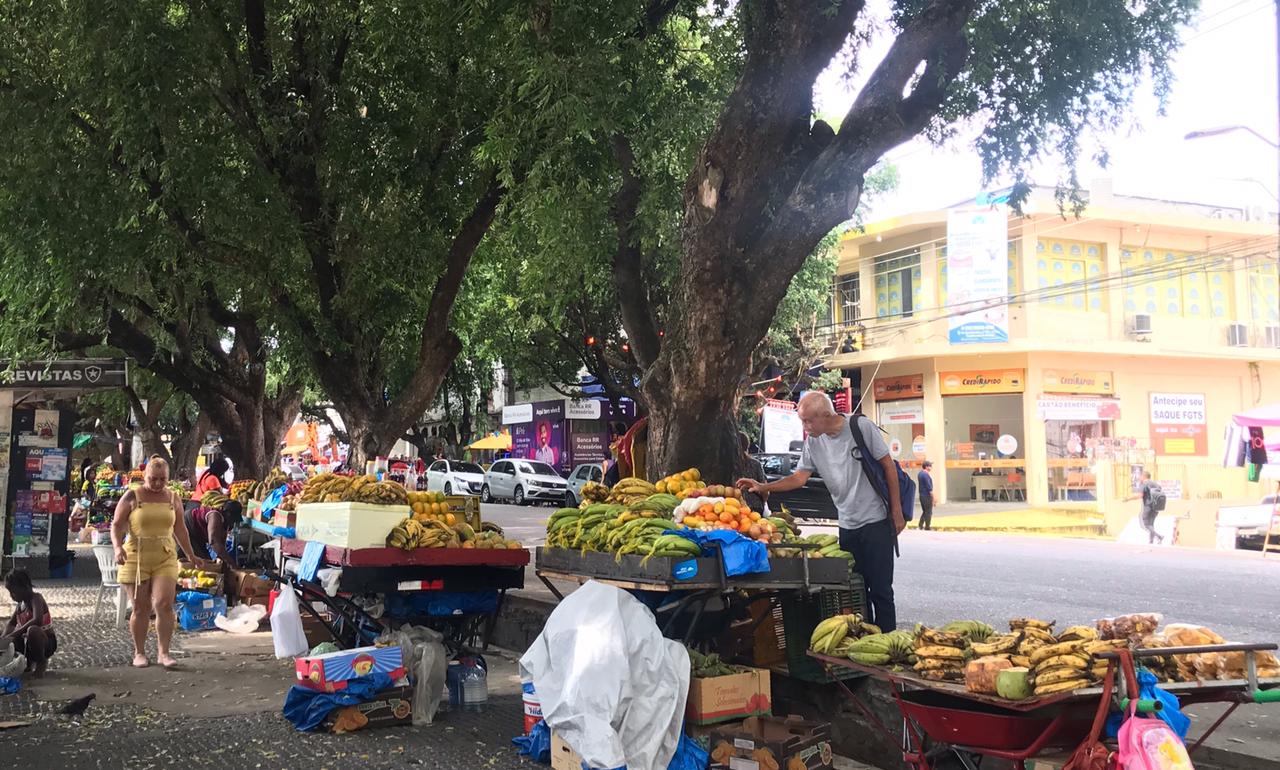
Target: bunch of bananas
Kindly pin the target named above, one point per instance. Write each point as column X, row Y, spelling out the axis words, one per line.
column 213, row 499
column 893, row 648
column 240, row 489
column 829, row 545
column 1060, row 667
column 332, row 488
column 630, row 490
column 325, row 485
column 260, row 489
column 196, row 578
column 1034, row 634
column 830, row 636
column 707, row 666
column 973, row 630
column 411, row 533
column 941, row 655
column 592, row 492
column 1098, row 666
column 619, row 529
column 1000, row 645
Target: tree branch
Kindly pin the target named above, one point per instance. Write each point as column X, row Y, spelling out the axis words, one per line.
column 628, row 267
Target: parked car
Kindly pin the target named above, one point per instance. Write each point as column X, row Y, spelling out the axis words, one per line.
column 454, row 477
column 812, row 501
column 523, row 482
column 578, row 479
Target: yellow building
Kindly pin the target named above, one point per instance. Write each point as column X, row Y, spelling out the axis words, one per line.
column 1134, row 332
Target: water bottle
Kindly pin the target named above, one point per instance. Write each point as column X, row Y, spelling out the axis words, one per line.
column 475, row 684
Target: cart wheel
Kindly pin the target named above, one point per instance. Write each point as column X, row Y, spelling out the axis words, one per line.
column 485, row 495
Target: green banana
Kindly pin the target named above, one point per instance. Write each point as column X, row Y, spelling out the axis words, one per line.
column 870, row 658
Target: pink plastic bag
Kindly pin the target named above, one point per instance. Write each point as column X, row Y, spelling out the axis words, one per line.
column 1149, row 744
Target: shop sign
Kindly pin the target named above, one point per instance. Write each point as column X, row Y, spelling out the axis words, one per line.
column 918, row 447
column 517, row 415
column 899, row 388
column 549, row 410
column 582, row 409
column 1007, row 444
column 1075, row 381
column 73, row 373
column 1083, row 409
column 1172, row 488
column 982, row 382
column 978, row 275
column 1179, row 424
column 906, row 412
column 895, row 448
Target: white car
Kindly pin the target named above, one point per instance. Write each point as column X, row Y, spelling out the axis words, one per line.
column 522, row 481
column 454, row 477
column 578, row 479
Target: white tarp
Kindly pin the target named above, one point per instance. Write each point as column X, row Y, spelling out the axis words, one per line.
column 611, row 686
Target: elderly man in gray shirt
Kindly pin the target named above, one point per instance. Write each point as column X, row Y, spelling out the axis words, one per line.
column 868, row 528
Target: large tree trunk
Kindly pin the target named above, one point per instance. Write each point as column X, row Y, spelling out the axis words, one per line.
column 185, row 447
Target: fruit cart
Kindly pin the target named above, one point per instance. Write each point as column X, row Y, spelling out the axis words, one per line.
column 946, row 726
column 371, row 576
column 682, row 591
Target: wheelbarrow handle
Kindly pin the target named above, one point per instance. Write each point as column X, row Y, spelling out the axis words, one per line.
column 1266, row 696
column 1144, row 705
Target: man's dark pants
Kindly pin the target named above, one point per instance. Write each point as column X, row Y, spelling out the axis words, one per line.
column 926, row 513
column 872, row 546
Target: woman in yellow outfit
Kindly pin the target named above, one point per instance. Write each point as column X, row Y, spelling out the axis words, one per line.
column 151, row 516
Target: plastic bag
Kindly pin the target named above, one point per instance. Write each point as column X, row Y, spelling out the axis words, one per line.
column 307, row 708
column 9, row 685
column 426, row 659
column 241, row 619
column 1171, row 713
column 11, row 663
column 1133, row 626
column 537, row 744
column 286, row 625
column 689, row 755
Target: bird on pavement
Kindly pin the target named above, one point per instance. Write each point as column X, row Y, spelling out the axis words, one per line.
column 77, row 707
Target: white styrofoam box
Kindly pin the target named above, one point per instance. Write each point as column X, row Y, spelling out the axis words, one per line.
column 349, row 525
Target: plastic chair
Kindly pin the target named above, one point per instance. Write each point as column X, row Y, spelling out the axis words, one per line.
column 107, row 569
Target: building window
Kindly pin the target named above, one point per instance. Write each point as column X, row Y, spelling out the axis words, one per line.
column 1264, row 293
column 897, row 284
column 847, row 298
column 942, row 272
column 1069, row 274
column 1176, row 283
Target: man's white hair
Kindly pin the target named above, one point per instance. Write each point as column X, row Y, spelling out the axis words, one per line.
column 820, row 400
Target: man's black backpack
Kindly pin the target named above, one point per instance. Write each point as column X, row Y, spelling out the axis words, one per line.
column 874, row 472
column 1156, row 500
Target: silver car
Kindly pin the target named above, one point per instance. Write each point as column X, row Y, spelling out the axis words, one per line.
column 454, row 477
column 578, row 479
column 522, row 481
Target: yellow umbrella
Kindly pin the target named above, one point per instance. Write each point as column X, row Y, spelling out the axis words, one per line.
column 501, row 441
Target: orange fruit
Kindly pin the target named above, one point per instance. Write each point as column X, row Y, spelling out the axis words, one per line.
column 469, row 544
column 755, row 516
column 450, row 519
column 726, row 517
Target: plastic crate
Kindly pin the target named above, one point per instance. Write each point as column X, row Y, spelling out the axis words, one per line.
column 802, row 614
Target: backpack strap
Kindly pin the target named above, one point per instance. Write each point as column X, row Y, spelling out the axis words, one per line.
column 866, row 459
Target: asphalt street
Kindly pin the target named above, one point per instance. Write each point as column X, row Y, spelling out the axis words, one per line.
column 943, row 576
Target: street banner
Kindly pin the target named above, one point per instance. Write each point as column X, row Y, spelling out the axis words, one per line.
column 1079, row 382
column 978, row 275
column 780, row 426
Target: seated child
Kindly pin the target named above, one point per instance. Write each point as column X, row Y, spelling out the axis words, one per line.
column 31, row 627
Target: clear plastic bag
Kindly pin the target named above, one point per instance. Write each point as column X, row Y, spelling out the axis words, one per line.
column 427, row 661
column 11, row 663
column 241, row 619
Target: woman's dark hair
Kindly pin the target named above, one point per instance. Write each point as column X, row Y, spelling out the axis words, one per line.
column 232, row 513
column 219, row 467
column 19, row 581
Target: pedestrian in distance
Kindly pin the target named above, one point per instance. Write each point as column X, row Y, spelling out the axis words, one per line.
column 213, row 479
column 868, row 527
column 30, row 628
column 151, row 516
column 1153, row 502
column 924, row 485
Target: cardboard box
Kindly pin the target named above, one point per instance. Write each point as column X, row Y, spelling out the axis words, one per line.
column 331, row 672
column 729, row 698
column 701, row 734
column 562, row 756
column 772, row 743
column 389, row 708
column 199, row 615
column 315, row 630
column 246, row 584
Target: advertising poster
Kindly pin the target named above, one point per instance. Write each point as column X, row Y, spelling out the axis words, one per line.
column 46, row 464
column 548, row 434
column 978, row 275
column 981, row 382
column 1179, row 424
column 44, row 432
column 780, row 425
column 522, row 440
column 899, row 388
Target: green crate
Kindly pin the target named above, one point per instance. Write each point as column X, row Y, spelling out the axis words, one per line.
column 802, row 614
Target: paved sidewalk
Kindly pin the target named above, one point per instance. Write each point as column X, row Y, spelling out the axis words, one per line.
column 221, row 709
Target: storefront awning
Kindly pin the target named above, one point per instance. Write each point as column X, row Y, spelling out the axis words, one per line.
column 502, row 441
column 1262, row 417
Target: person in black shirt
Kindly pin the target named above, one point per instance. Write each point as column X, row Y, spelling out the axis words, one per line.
column 924, row 483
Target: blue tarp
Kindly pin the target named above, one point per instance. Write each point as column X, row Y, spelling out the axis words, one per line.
column 741, row 555
column 307, row 708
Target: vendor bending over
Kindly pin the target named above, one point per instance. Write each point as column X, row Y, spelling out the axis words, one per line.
column 30, row 629
column 208, row 527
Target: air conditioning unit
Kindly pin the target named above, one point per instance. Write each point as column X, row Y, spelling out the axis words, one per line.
column 1140, row 323
column 1237, row 336
column 1271, row 336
